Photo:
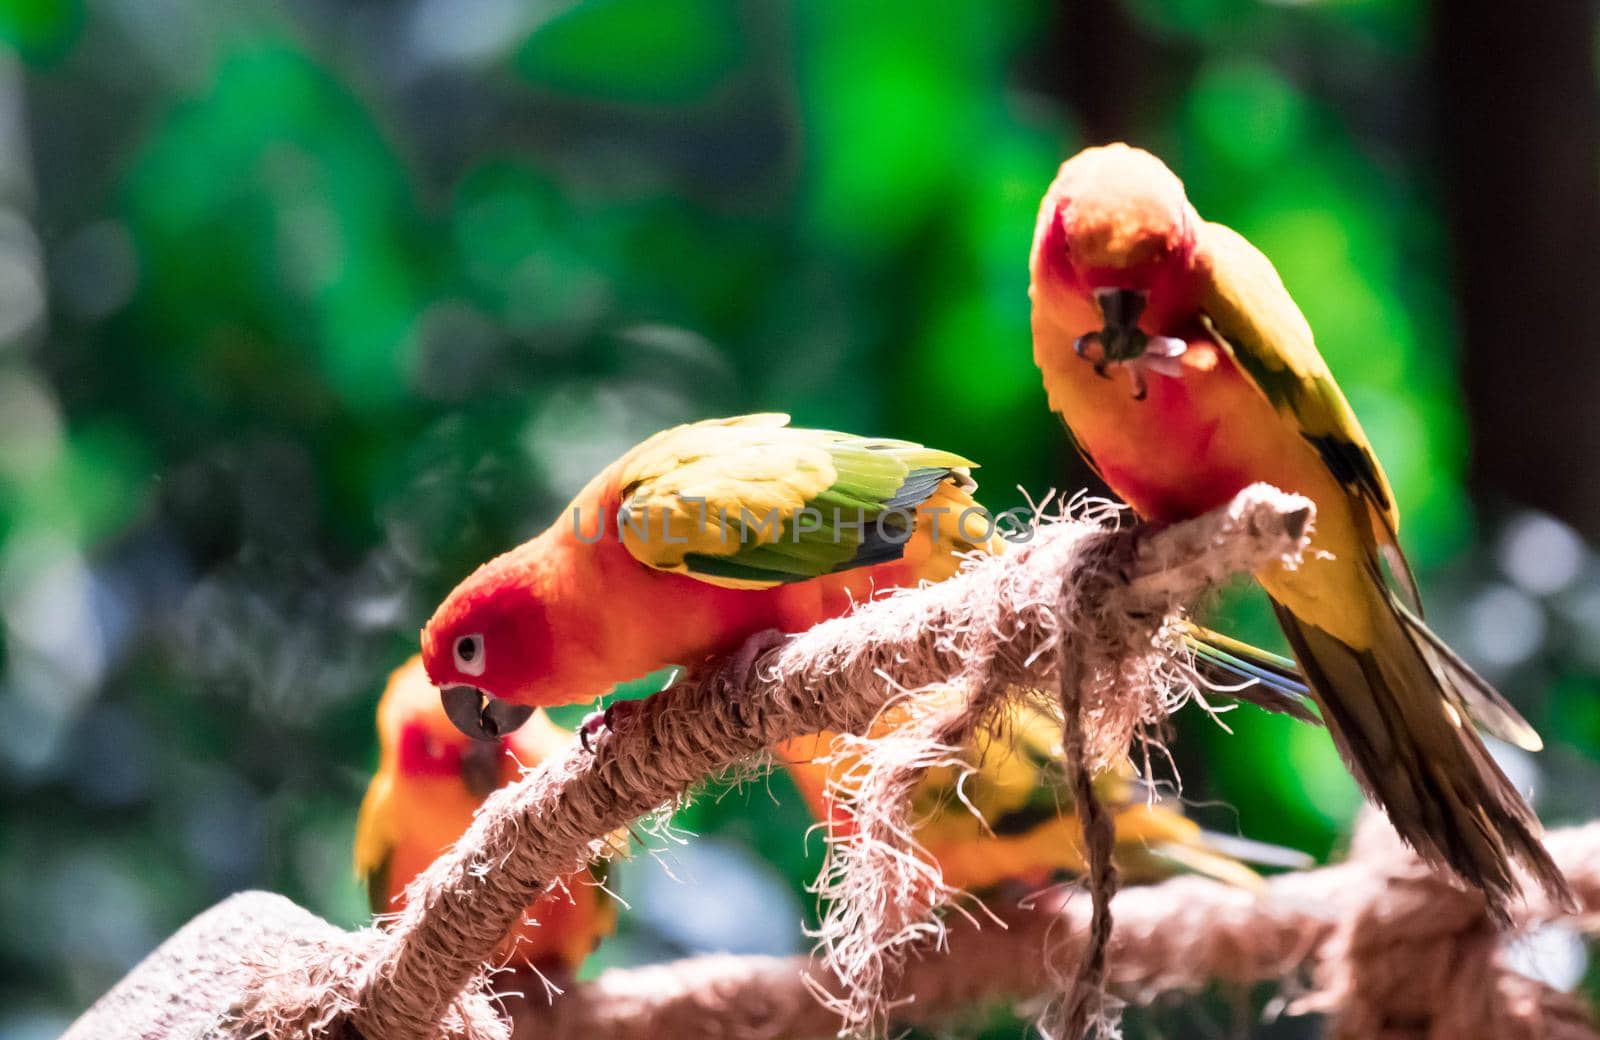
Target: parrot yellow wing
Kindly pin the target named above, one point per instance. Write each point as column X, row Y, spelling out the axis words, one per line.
column 752, row 502
column 374, row 850
column 1030, row 830
column 1253, row 317
column 1011, row 817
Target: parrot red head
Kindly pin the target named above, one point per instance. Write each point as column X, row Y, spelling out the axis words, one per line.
column 426, row 746
column 1115, row 228
column 489, row 650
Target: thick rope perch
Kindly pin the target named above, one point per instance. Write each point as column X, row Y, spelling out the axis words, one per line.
column 1396, row 952
column 425, row 977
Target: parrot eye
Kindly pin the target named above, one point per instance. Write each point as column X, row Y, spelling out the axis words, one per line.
column 470, row 658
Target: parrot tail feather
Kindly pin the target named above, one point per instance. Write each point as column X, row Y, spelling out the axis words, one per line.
column 1471, row 692
column 1395, row 713
column 1258, row 853
column 1218, row 866
column 1269, row 681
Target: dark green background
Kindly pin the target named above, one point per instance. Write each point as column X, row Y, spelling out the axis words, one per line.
column 305, row 310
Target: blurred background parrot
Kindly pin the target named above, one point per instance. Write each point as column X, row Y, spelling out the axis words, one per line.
column 1184, row 372
column 1011, row 822
column 430, row 780
column 688, row 546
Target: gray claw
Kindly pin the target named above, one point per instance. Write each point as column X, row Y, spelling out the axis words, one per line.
column 606, row 720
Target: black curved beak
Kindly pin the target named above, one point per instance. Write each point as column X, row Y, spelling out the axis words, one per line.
column 480, row 767
column 481, row 716
column 1120, row 307
column 1121, row 339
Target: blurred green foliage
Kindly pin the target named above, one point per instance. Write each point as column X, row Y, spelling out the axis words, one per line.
column 312, row 309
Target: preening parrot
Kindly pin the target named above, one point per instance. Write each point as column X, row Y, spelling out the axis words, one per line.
column 1025, row 832
column 430, row 780
column 1185, row 372
column 696, row 541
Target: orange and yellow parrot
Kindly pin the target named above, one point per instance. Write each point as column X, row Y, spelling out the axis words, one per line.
column 690, row 546
column 708, row 538
column 1010, row 820
column 430, row 780
column 1185, row 372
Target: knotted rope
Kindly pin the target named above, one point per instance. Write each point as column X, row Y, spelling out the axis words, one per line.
column 1390, row 949
column 1421, row 959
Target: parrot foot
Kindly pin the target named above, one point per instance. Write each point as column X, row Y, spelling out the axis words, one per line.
column 1081, row 347
column 1162, row 355
column 737, row 671
column 605, row 720
column 1140, row 389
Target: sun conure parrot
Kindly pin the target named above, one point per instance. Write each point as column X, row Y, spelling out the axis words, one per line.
column 430, row 780
column 706, row 538
column 1185, row 372
column 1024, row 832
column 688, row 547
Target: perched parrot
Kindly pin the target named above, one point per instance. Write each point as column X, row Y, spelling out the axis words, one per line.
column 703, row 540
column 430, row 780
column 1024, row 831
column 1185, row 372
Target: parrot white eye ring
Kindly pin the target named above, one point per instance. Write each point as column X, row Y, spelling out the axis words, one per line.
column 471, row 659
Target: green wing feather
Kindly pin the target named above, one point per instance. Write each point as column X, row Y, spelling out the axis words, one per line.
column 755, row 504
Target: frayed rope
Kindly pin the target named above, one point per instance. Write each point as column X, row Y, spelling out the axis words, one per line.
column 1007, row 612
column 1107, row 649
column 1390, row 949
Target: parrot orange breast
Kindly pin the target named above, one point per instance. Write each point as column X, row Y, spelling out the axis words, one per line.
column 1187, row 447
